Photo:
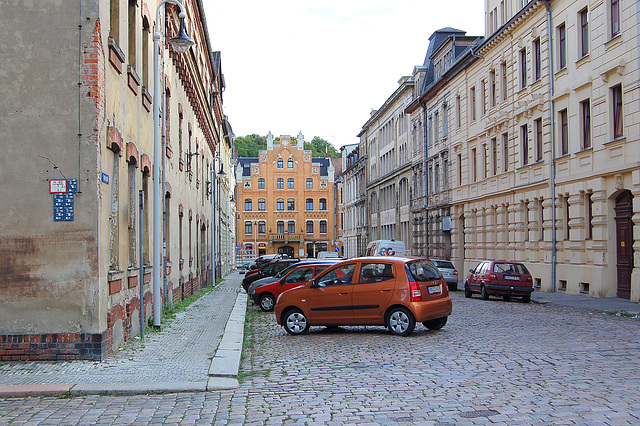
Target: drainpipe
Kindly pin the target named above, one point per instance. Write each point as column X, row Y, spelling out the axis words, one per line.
column 426, row 174
column 553, row 152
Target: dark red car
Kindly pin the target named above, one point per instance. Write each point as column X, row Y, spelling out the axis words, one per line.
column 499, row 278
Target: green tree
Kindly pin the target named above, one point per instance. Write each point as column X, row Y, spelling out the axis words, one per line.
column 319, row 147
column 250, row 146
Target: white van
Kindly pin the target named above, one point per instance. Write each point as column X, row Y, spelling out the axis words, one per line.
column 386, row 248
column 328, row 255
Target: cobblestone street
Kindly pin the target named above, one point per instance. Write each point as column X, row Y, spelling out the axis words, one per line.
column 495, row 362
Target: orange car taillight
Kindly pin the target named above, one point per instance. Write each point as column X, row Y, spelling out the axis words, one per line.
column 416, row 295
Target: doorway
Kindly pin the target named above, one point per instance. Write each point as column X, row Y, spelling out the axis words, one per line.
column 624, row 243
column 288, row 250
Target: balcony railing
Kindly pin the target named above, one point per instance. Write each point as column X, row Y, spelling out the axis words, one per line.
column 285, row 237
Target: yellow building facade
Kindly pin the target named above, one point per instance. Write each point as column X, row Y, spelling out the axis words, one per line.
column 286, row 200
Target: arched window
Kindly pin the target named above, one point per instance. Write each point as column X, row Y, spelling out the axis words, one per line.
column 291, row 227
column 290, row 183
column 309, row 227
column 248, row 205
column 280, row 227
column 261, row 183
column 309, row 203
column 262, row 205
column 280, row 204
column 262, row 227
column 280, row 183
column 323, row 204
column 248, row 228
column 309, row 183
column 290, row 163
column 291, row 204
column 280, row 163
column 323, row 226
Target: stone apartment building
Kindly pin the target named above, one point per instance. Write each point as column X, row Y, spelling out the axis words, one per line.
column 355, row 232
column 77, row 127
column 286, row 200
column 541, row 125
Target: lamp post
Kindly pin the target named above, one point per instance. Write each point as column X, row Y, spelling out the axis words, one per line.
column 181, row 43
column 214, row 180
column 255, row 239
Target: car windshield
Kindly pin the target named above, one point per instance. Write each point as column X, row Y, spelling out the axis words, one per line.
column 443, row 264
column 510, row 268
column 423, row 270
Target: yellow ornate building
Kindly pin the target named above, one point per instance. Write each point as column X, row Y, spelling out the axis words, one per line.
column 286, row 200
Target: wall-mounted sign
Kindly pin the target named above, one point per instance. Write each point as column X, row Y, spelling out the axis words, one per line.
column 57, row 186
column 105, row 178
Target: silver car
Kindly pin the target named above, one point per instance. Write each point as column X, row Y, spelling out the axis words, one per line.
column 448, row 271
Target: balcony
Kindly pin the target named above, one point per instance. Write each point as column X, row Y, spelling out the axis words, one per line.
column 285, row 238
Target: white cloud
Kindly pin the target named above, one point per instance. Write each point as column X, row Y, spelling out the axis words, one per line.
column 321, row 67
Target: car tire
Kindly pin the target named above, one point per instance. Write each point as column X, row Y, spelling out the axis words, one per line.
column 295, row 322
column 467, row 291
column 506, row 298
column 526, row 299
column 267, row 302
column 435, row 324
column 400, row 321
column 483, row 293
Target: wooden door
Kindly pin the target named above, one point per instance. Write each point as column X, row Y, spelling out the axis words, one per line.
column 624, row 243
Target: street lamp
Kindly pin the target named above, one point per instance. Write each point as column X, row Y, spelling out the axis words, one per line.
column 213, row 213
column 181, row 43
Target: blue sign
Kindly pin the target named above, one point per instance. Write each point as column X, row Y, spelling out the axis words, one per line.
column 105, row 178
column 63, row 203
column 337, row 249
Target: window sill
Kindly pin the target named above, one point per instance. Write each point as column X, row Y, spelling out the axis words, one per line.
column 133, row 80
column 116, row 55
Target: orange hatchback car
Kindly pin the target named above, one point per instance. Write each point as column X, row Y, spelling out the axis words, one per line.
column 395, row 292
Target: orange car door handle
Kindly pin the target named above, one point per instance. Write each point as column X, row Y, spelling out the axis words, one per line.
column 343, row 294
column 386, row 290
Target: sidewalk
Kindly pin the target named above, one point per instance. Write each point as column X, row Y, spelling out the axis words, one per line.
column 603, row 304
column 199, row 350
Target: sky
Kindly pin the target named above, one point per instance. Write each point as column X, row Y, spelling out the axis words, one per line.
column 321, row 67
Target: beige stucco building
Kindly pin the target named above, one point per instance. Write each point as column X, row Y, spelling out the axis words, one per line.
column 77, row 122
column 542, row 143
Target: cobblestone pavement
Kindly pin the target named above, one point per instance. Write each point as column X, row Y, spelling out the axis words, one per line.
column 495, row 362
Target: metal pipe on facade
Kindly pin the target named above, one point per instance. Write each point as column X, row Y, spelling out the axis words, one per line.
column 553, row 152
column 141, row 268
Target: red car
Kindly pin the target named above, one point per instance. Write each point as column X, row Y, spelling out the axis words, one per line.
column 266, row 295
column 499, row 278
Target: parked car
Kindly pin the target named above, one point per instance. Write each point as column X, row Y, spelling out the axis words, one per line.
column 276, row 277
column 268, row 270
column 259, row 261
column 394, row 292
column 499, row 278
column 265, row 292
column 448, row 271
column 328, row 255
column 386, row 248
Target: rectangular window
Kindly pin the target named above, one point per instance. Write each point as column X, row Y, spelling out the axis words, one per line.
column 262, row 228
column 584, row 32
column 492, row 84
column 261, row 183
column 309, row 204
column 436, row 126
column 615, row 18
column 524, row 144
column 458, row 112
column 562, row 46
column 585, row 118
column 484, row 96
column 523, row 68
column 504, row 81
column 248, row 229
column 291, row 227
column 505, row 151
column 564, row 132
column 567, row 217
column 114, row 20
column 132, row 34
column 472, row 100
column 280, row 227
column 538, row 129
column 290, row 183
column 436, row 178
column 309, row 227
column 537, row 62
column 540, row 220
column 616, row 100
column 323, row 226
column 589, row 207
column 474, row 165
column 445, row 122
column 494, row 156
column 460, row 169
column 485, row 161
